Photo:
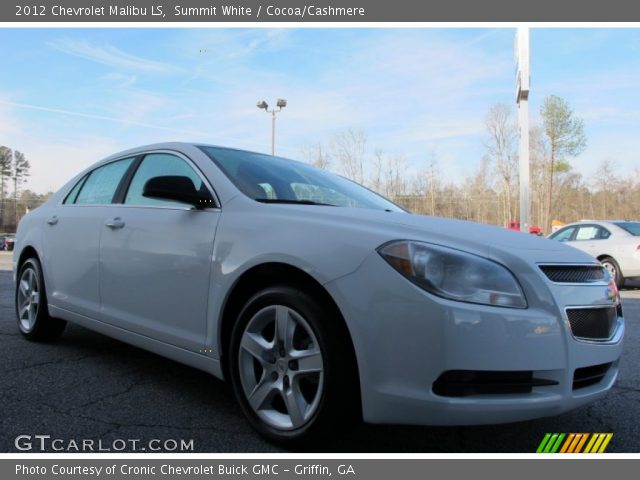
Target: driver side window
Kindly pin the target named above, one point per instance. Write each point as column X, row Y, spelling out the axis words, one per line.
column 563, row 235
column 158, row 165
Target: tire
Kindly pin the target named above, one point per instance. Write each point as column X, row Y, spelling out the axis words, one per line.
column 292, row 372
column 614, row 270
column 32, row 313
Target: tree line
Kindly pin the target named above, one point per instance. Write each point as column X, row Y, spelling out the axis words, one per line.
column 490, row 194
column 14, row 170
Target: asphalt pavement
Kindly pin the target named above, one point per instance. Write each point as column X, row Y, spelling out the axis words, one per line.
column 86, row 386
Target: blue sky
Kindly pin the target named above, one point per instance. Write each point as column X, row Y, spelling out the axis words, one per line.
column 71, row 96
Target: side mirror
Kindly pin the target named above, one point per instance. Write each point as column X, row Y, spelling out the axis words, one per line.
column 176, row 188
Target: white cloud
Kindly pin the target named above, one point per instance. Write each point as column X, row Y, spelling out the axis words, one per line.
column 110, row 56
column 119, row 80
column 9, row 124
column 124, row 121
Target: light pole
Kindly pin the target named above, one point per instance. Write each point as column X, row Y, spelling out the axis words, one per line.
column 281, row 103
column 522, row 99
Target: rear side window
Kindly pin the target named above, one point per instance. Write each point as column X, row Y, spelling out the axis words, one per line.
column 101, row 184
column 589, row 232
column 73, row 194
column 632, row 227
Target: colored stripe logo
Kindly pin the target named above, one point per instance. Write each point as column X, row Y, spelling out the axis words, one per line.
column 574, row 443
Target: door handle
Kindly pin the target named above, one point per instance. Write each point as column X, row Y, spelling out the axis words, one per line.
column 115, row 223
column 53, row 220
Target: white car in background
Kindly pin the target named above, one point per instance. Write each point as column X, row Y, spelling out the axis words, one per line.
column 320, row 301
column 616, row 243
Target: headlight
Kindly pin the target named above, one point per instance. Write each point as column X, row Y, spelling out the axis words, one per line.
column 454, row 274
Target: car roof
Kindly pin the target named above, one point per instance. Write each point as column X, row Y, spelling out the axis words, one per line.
column 605, row 223
column 171, row 146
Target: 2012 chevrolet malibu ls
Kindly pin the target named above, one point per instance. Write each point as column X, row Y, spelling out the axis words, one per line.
column 318, row 299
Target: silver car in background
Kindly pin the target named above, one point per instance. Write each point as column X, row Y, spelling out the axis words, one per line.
column 616, row 243
column 320, row 301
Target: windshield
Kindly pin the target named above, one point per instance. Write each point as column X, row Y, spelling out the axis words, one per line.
column 632, row 227
column 271, row 179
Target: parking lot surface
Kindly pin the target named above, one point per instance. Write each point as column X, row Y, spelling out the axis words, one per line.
column 87, row 386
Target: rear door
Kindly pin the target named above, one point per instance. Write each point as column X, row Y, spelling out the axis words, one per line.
column 71, row 240
column 156, row 256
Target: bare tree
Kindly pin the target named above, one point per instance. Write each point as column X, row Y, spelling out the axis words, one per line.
column 348, row 149
column 20, row 172
column 501, row 147
column 378, row 166
column 316, row 156
column 6, row 156
column 605, row 183
column 565, row 134
column 395, row 182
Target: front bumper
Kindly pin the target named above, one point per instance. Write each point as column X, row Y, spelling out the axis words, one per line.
column 405, row 338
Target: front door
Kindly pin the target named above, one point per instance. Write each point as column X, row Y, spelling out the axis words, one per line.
column 155, row 259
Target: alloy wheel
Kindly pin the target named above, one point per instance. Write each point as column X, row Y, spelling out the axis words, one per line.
column 611, row 269
column 281, row 367
column 28, row 298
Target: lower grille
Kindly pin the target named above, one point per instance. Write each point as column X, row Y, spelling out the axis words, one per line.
column 462, row 383
column 593, row 323
column 585, row 376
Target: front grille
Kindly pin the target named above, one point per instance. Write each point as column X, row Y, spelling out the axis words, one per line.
column 462, row 383
column 574, row 273
column 585, row 376
column 592, row 323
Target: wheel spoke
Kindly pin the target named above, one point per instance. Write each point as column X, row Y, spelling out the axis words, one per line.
column 255, row 345
column 35, row 298
column 309, row 361
column 260, row 393
column 292, row 398
column 284, row 328
column 23, row 309
column 24, row 286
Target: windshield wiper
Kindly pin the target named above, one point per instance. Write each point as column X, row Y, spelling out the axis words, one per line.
column 291, row 201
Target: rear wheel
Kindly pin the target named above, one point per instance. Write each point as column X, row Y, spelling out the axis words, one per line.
column 291, row 371
column 32, row 313
column 612, row 267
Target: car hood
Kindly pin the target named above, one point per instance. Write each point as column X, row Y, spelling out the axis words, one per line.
column 486, row 240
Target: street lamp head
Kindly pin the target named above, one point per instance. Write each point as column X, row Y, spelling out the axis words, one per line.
column 281, row 103
column 262, row 104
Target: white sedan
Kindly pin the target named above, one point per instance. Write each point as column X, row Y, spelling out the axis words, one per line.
column 616, row 243
column 320, row 301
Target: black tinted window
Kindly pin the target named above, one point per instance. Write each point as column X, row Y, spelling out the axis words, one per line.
column 604, row 233
column 632, row 227
column 274, row 179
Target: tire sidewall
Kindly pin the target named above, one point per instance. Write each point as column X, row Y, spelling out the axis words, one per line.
column 314, row 313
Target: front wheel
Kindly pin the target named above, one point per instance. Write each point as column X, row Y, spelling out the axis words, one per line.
column 612, row 267
column 291, row 370
column 32, row 313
